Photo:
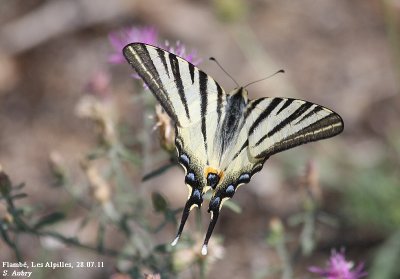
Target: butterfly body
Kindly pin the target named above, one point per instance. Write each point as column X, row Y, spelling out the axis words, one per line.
column 223, row 139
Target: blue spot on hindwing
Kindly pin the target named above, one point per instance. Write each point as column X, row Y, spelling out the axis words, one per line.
column 190, row 178
column 230, row 190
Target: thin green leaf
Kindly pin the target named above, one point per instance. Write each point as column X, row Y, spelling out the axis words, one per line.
column 96, row 153
column 5, row 183
column 5, row 237
column 123, row 224
column 19, row 186
column 100, row 237
column 160, row 204
column 158, row 171
column 233, row 206
column 126, row 155
column 19, row 196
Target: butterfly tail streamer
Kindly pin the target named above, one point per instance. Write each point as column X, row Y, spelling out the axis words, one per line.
column 211, row 226
column 185, row 215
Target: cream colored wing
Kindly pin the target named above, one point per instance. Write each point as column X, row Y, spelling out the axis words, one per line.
column 271, row 125
column 277, row 124
column 186, row 93
column 196, row 104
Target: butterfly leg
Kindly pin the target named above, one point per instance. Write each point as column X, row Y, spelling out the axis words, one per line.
column 195, row 199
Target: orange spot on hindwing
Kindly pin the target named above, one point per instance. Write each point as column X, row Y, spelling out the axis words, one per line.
column 213, row 176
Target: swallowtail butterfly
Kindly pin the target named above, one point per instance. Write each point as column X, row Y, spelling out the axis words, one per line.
column 223, row 139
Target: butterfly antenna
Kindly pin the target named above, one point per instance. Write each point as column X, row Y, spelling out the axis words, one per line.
column 216, row 61
column 278, row 72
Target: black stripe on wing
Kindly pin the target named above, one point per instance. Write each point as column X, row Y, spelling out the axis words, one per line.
column 312, row 112
column 252, row 106
column 274, row 103
column 296, row 114
column 245, row 144
column 178, row 81
column 326, row 127
column 138, row 56
column 203, row 80
column 219, row 100
column 191, row 71
column 161, row 54
column 288, row 120
column 285, row 105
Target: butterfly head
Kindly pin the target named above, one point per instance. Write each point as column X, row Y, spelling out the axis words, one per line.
column 241, row 93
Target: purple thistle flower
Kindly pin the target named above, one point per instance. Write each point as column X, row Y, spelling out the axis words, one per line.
column 147, row 35
column 180, row 50
column 339, row 268
column 120, row 39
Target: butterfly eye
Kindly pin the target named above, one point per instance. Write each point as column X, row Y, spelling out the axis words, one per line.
column 244, row 178
column 212, row 179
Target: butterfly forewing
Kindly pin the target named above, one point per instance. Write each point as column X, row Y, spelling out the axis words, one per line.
column 186, row 93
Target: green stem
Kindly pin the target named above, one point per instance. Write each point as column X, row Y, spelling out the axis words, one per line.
column 287, row 272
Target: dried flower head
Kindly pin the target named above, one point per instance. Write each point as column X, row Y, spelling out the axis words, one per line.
column 166, row 129
column 103, row 112
column 339, row 268
column 100, row 187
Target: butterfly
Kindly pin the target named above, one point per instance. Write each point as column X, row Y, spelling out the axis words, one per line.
column 222, row 139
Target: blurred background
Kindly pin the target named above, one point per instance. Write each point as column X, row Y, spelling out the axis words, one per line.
column 78, row 131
